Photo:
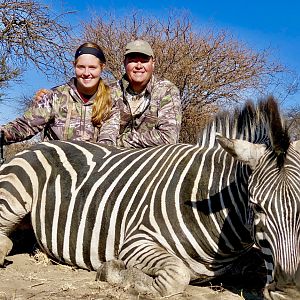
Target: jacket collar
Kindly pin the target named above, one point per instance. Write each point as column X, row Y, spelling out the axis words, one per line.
column 125, row 84
column 74, row 92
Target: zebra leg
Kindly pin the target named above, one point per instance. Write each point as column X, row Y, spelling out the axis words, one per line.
column 111, row 271
column 5, row 247
column 115, row 272
column 12, row 212
column 168, row 276
column 168, row 273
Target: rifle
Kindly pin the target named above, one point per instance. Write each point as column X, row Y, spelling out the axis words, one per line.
column 1, row 147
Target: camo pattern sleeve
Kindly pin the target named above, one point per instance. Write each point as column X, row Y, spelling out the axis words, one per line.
column 32, row 122
column 61, row 115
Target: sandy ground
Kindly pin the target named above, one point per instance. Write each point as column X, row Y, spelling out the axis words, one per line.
column 33, row 275
column 26, row 278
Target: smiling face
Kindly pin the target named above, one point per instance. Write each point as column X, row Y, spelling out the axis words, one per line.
column 139, row 69
column 88, row 69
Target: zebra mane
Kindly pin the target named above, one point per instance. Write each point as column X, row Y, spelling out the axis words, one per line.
column 257, row 123
column 268, row 112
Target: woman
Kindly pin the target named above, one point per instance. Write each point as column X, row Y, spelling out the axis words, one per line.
column 72, row 111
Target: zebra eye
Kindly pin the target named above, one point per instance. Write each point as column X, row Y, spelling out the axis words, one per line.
column 257, row 208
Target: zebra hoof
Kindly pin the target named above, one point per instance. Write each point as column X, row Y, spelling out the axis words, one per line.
column 110, row 271
column 5, row 247
column 115, row 272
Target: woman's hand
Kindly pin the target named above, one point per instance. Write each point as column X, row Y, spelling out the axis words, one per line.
column 40, row 94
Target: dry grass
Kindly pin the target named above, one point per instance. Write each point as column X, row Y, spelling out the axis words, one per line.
column 40, row 257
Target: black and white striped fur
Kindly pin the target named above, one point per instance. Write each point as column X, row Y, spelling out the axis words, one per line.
column 176, row 212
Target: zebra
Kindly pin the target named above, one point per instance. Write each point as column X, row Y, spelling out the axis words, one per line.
column 160, row 217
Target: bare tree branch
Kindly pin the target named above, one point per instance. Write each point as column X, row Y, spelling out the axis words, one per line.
column 207, row 67
column 31, row 33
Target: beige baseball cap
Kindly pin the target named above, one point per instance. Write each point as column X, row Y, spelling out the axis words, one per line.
column 139, row 46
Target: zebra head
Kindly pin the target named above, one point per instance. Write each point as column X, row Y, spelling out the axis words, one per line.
column 274, row 198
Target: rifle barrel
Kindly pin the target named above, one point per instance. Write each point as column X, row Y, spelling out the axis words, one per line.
column 1, row 147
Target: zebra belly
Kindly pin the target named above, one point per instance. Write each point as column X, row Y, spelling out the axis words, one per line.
column 73, row 230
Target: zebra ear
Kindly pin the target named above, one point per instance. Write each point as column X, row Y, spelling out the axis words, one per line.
column 243, row 151
column 296, row 145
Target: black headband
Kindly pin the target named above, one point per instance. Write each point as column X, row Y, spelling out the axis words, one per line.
column 89, row 50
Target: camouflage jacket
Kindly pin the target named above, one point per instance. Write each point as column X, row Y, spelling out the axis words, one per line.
column 61, row 114
column 156, row 123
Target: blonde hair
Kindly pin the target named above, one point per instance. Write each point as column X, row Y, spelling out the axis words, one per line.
column 102, row 102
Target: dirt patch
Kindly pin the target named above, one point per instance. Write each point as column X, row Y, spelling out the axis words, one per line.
column 34, row 276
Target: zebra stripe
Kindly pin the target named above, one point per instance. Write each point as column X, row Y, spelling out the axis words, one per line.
column 176, row 212
column 154, row 173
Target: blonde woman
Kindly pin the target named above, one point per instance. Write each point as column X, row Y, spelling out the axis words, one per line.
column 75, row 110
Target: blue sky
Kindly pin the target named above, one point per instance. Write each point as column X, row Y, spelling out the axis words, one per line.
column 259, row 24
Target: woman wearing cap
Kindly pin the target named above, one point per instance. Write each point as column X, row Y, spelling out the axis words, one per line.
column 72, row 111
